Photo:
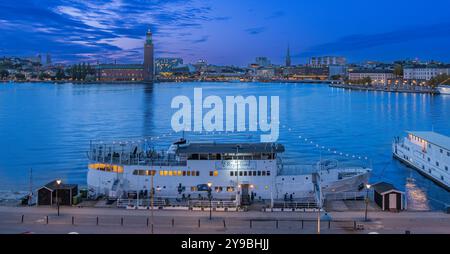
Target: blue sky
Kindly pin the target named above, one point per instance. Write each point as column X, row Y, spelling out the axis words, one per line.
column 226, row 31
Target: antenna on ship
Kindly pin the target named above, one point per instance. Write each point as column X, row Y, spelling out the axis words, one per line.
column 31, row 187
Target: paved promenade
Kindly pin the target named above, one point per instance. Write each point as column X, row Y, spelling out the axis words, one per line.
column 113, row 220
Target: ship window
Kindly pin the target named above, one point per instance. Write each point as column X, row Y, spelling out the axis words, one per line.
column 161, row 173
column 254, row 173
column 446, row 168
column 235, row 173
column 240, row 173
column 210, row 173
column 268, row 173
column 184, row 173
column 437, row 163
column 448, row 153
column 264, row 173
column 179, row 173
column 216, row 173
column 231, row 173
column 442, row 151
column 245, row 173
column 442, row 178
column 170, row 172
column 218, row 188
column 203, row 156
column 193, row 188
column 429, row 159
column 193, row 156
column 188, row 173
column 196, row 173
column 259, row 173
column 230, row 189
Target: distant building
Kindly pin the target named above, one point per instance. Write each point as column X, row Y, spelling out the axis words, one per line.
column 130, row 72
column 288, row 57
column 307, row 72
column 48, row 59
column 262, row 61
column 166, row 64
column 424, row 72
column 377, row 76
column 265, row 72
column 337, row 70
column 326, row 61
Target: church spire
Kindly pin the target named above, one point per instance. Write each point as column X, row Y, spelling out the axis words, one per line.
column 288, row 57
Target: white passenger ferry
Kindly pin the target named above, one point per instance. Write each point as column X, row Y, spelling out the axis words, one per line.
column 237, row 172
column 444, row 89
column 427, row 152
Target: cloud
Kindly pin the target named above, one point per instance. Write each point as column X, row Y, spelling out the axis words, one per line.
column 276, row 14
column 365, row 41
column 76, row 29
column 255, row 30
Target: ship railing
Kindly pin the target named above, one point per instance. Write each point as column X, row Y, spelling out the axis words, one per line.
column 212, row 203
column 296, row 204
column 348, row 195
column 139, row 161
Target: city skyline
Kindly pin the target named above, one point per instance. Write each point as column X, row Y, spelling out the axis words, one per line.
column 224, row 32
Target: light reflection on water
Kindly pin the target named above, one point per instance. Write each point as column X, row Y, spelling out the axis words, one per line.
column 48, row 127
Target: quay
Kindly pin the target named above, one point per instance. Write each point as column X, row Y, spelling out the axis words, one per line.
column 382, row 88
column 90, row 220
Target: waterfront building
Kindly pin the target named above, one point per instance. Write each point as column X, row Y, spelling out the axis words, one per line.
column 120, row 72
column 265, row 72
column 130, row 72
column 377, row 76
column 424, row 72
column 326, row 61
column 166, row 64
column 307, row 72
column 288, row 57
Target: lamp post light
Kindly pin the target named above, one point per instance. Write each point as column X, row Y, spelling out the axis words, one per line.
column 58, row 183
column 210, row 199
column 367, row 201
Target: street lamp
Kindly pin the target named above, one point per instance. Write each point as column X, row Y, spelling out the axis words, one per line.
column 58, row 183
column 210, row 200
column 367, row 201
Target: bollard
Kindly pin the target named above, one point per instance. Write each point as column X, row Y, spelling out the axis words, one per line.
column 277, row 223
column 121, row 221
column 173, row 222
column 251, row 223
column 329, row 224
column 224, row 225
column 23, row 217
column 97, row 220
column 73, row 220
column 198, row 222
column 302, row 224
column 47, row 220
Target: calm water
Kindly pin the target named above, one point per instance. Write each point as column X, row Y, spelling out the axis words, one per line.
column 48, row 127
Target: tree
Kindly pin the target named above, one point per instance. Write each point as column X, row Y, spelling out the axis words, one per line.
column 20, row 76
column 438, row 80
column 398, row 70
column 60, row 74
column 4, row 74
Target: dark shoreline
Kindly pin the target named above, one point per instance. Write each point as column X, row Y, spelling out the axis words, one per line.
column 385, row 89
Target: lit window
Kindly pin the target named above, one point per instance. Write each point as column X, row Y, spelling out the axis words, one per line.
column 179, row 173
column 166, row 172
column 170, row 172
column 161, row 173
column 188, row 173
column 216, row 173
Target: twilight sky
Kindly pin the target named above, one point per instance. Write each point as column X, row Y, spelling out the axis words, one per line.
column 226, row 31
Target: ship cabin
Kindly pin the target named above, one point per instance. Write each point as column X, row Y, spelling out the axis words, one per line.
column 219, row 152
column 434, row 156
